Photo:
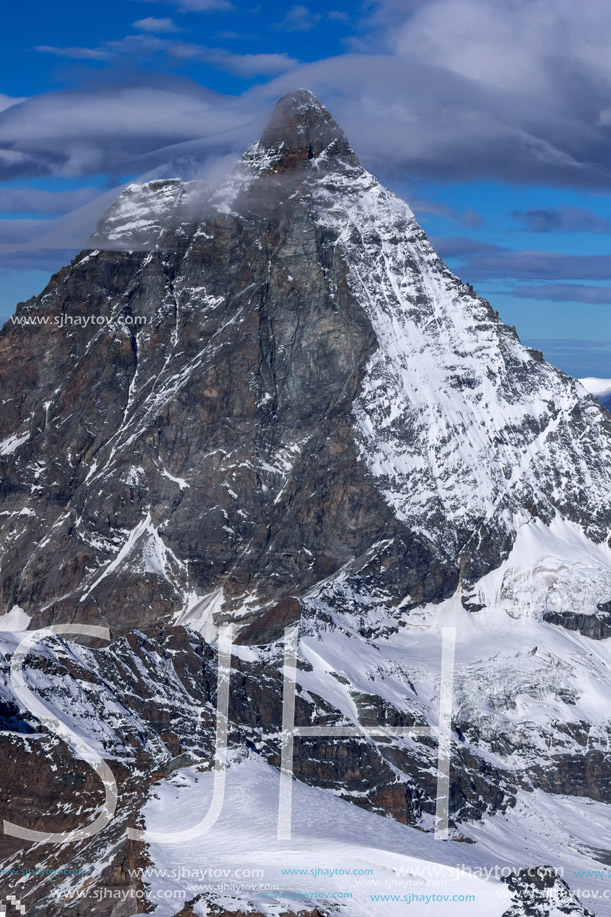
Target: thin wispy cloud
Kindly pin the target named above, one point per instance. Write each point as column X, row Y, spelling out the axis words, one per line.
column 251, row 64
column 196, row 6
column 588, row 357
column 143, row 45
column 468, row 218
column 47, row 203
column 104, row 130
column 147, row 44
column 561, row 219
column 565, row 292
column 9, row 101
column 97, row 54
column 484, row 259
column 18, row 164
column 151, row 24
column 299, row 19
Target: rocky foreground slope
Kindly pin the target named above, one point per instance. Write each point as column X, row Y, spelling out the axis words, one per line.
column 272, row 405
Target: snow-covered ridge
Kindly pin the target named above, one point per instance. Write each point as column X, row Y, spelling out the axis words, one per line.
column 142, row 214
column 325, row 830
column 459, row 422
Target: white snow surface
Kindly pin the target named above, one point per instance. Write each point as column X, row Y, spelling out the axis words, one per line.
column 553, row 567
column 327, row 833
column 517, row 677
column 146, row 552
column 343, row 850
column 15, row 620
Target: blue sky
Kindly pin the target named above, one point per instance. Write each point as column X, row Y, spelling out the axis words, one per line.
column 493, row 120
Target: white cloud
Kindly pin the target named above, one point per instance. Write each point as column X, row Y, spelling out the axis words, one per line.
column 75, row 53
column 9, row 101
column 204, row 6
column 533, row 47
column 299, row 19
column 151, row 24
column 197, row 6
column 252, row 64
column 35, row 200
column 80, row 133
column 456, row 89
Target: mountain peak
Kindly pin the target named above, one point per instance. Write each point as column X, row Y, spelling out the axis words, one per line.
column 300, row 129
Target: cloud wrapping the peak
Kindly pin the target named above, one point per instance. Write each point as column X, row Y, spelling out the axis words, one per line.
column 426, row 120
column 107, row 128
column 519, row 91
column 441, row 89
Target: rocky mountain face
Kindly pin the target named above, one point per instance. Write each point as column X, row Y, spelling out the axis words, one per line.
column 312, row 388
column 271, row 404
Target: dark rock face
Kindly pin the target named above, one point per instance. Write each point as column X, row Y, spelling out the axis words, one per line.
column 299, row 130
column 595, row 626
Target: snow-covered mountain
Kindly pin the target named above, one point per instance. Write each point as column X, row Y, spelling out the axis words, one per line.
column 271, row 405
